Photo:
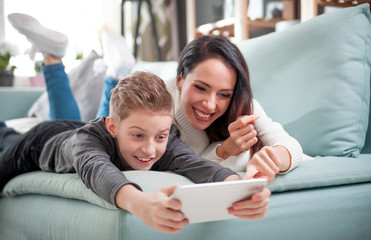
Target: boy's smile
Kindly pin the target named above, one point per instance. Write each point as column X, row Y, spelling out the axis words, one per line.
column 142, row 137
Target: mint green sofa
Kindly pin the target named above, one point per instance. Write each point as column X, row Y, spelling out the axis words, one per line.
column 314, row 78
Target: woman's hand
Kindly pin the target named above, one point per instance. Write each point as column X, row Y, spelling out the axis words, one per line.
column 268, row 161
column 155, row 209
column 254, row 208
column 242, row 137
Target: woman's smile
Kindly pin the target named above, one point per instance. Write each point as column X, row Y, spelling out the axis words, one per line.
column 202, row 116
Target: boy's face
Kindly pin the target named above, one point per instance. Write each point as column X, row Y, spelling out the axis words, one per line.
column 142, row 137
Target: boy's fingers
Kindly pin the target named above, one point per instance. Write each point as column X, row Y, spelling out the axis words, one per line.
column 169, row 214
column 168, row 190
column 263, row 194
column 172, row 227
column 258, row 201
column 171, row 202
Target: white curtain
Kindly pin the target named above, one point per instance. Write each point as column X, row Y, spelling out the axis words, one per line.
column 2, row 25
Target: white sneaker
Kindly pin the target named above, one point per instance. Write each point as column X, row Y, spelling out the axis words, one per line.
column 44, row 40
column 116, row 54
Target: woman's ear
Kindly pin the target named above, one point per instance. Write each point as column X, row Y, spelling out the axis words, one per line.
column 110, row 125
column 179, row 82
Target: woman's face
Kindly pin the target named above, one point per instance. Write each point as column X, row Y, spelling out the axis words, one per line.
column 205, row 93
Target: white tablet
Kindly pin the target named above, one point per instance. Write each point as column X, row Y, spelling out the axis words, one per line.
column 210, row 201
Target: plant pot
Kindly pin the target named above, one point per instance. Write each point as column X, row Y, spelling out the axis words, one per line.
column 6, row 78
column 38, row 80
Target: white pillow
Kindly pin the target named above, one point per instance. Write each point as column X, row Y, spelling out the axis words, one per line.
column 87, row 87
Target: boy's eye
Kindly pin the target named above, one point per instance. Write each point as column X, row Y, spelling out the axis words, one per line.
column 162, row 137
column 138, row 135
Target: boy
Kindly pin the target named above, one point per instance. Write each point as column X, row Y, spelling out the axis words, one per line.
column 139, row 135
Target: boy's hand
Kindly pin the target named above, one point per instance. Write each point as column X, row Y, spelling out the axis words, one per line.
column 156, row 209
column 254, row 208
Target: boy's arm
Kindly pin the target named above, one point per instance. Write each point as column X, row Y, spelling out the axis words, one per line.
column 180, row 159
column 155, row 209
column 90, row 155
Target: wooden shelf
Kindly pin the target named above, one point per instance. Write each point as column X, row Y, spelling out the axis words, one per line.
column 264, row 23
column 337, row 3
column 342, row 3
column 225, row 27
column 239, row 26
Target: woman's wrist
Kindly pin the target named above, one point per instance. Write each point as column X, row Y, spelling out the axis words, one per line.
column 227, row 148
column 286, row 156
column 221, row 151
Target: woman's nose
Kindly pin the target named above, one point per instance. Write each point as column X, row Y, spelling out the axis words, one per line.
column 210, row 102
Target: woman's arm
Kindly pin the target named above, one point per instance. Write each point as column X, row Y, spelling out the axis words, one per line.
column 285, row 152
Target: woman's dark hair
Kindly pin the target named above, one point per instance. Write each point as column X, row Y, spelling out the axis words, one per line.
column 219, row 47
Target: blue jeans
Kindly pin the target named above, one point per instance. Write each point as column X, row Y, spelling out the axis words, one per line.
column 63, row 104
column 109, row 84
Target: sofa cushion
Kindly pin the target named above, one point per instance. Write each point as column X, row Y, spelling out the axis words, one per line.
column 69, row 185
column 314, row 78
column 320, row 172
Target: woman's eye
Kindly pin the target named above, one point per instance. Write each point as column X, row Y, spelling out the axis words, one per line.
column 225, row 95
column 200, row 88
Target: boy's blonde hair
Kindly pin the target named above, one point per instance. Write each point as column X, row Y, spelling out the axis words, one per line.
column 140, row 91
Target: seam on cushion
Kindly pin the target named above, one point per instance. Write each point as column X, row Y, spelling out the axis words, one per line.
column 322, row 181
column 364, row 60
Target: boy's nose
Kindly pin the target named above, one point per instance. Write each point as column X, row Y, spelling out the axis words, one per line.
column 149, row 148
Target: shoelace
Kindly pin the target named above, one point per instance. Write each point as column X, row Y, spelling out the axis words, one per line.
column 31, row 52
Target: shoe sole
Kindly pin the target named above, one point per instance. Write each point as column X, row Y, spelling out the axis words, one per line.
column 46, row 40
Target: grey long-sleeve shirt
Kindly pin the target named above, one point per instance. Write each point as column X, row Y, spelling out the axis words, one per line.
column 93, row 153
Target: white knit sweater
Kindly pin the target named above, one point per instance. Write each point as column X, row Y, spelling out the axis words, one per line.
column 269, row 132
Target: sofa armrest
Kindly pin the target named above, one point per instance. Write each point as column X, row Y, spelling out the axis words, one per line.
column 15, row 102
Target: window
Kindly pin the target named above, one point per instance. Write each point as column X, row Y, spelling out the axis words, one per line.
column 80, row 20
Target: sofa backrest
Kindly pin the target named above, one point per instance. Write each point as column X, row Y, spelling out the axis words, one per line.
column 314, row 78
column 15, row 102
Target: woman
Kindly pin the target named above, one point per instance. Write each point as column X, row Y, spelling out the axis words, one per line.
column 214, row 108
column 214, row 104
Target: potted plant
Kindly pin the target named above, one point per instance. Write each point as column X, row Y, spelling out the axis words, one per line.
column 7, row 51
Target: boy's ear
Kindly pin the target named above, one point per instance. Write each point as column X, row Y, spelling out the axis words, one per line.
column 110, row 125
